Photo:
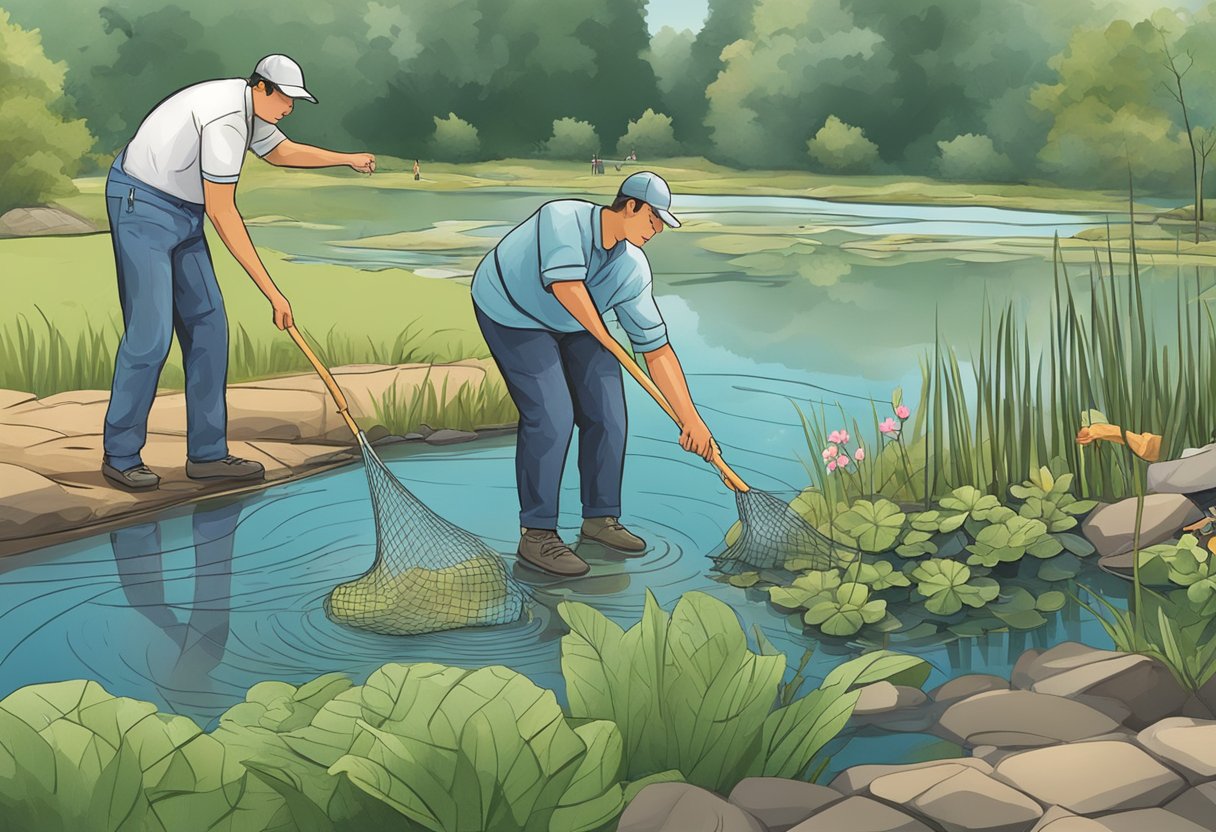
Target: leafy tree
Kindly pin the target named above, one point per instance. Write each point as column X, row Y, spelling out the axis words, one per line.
column 842, row 148
column 651, row 136
column 41, row 147
column 572, row 139
column 455, row 140
column 973, row 157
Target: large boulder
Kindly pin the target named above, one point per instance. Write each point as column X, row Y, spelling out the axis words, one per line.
column 857, row 779
column 1141, row 684
column 1111, row 528
column 1019, row 718
column 781, row 804
column 1193, row 472
column 970, row 802
column 678, row 807
column 1197, row 805
column 1091, row 778
column 854, row 814
column 962, row 687
column 1187, row 745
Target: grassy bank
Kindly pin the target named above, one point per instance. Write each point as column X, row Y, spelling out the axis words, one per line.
column 64, row 323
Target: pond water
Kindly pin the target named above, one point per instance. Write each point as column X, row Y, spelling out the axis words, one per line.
column 191, row 609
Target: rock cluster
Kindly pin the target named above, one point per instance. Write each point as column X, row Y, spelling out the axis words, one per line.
column 1081, row 740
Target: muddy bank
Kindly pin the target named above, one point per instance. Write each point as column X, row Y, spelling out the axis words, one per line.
column 52, row 490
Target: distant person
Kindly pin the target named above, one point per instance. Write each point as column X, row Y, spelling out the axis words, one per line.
column 417, row 171
column 539, row 297
column 183, row 162
column 595, row 168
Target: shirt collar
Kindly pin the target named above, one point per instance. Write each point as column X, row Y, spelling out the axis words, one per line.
column 597, row 234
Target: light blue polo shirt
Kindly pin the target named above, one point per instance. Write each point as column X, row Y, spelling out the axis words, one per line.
column 562, row 241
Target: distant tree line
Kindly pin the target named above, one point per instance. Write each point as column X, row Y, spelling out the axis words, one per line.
column 1069, row 91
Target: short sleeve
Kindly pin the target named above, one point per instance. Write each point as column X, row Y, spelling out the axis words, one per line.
column 640, row 318
column 222, row 145
column 559, row 239
column 266, row 137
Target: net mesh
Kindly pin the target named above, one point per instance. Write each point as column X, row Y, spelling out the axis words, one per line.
column 772, row 534
column 429, row 575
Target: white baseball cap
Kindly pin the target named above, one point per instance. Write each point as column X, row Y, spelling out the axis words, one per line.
column 285, row 74
column 652, row 189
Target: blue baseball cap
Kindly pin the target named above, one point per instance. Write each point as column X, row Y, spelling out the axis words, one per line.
column 653, row 190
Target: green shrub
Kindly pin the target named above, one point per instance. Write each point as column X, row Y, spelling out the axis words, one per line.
column 842, row 148
column 689, row 695
column 651, row 135
column 572, row 139
column 455, row 140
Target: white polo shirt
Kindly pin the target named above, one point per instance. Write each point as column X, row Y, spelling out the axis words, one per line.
column 200, row 132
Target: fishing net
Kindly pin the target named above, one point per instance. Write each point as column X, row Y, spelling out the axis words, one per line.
column 429, row 575
column 772, row 535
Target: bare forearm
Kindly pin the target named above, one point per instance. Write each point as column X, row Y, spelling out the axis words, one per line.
column 668, row 376
column 290, row 154
column 231, row 228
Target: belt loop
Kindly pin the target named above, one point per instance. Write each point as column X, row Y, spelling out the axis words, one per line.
column 130, row 200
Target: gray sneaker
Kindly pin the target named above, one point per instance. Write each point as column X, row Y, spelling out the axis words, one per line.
column 228, row 468
column 138, row 478
column 543, row 549
column 609, row 532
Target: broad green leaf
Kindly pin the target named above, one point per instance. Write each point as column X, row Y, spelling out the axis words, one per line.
column 1050, row 601
column 594, row 796
column 745, row 579
column 633, row 787
column 875, row 525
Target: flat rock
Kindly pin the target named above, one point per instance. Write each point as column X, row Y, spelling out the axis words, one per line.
column 20, row 437
column 1142, row 684
column 970, row 800
column 1111, row 528
column 855, row 814
column 1146, row 820
column 450, row 437
column 962, row 687
column 263, row 414
column 858, row 778
column 12, row 398
column 680, row 807
column 1193, row 472
column 43, row 221
column 1188, row 745
column 34, row 504
column 781, row 804
column 1091, row 778
column 1019, row 677
column 1021, row 718
column 1059, row 819
column 1198, row 805
column 884, row 697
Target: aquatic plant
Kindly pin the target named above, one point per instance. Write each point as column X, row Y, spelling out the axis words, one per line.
column 689, row 695
column 947, row 585
column 845, row 610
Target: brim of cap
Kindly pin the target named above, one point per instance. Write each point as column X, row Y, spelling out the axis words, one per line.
column 298, row 92
column 667, row 217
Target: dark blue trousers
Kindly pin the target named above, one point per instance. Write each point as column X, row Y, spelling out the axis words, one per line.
column 558, row 380
column 165, row 284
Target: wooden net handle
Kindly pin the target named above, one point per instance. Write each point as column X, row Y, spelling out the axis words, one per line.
column 327, row 377
column 732, row 479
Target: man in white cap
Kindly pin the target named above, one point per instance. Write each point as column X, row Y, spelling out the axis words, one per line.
column 184, row 162
column 539, row 297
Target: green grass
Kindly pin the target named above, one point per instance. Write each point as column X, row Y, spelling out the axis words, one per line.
column 64, row 323
column 472, row 406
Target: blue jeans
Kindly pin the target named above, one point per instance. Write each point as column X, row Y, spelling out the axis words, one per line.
column 165, row 284
column 558, row 380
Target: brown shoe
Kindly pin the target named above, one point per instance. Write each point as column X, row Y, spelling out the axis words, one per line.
column 609, row 532
column 543, row 549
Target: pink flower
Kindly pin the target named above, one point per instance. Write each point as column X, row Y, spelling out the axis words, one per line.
column 859, row 454
column 830, row 451
column 834, row 437
column 842, row 461
column 844, row 437
column 888, row 426
column 902, row 412
column 831, row 466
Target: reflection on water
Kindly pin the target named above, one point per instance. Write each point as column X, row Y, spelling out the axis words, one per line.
column 200, row 627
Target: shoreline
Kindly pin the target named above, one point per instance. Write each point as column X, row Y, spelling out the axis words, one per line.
column 50, row 449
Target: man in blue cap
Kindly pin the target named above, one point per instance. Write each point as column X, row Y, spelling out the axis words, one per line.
column 540, row 296
column 183, row 162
